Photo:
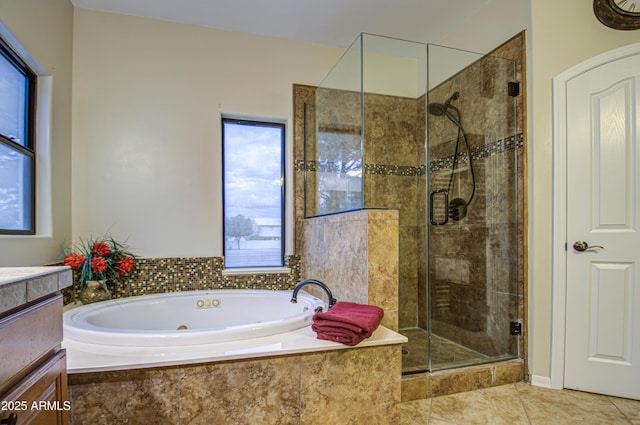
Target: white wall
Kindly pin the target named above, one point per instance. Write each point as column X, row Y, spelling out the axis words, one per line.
column 44, row 29
column 147, row 99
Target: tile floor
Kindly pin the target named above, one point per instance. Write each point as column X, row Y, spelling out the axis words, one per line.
column 521, row 404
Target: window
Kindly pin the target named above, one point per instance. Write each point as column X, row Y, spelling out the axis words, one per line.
column 17, row 147
column 253, row 193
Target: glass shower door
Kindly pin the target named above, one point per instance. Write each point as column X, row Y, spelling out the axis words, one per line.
column 472, row 225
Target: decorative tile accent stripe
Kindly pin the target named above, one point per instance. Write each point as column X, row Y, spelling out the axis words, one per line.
column 484, row 151
column 159, row 275
column 390, row 170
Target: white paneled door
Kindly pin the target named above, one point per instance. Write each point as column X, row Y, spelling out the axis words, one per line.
column 602, row 339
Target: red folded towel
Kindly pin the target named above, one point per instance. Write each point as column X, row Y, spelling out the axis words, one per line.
column 347, row 323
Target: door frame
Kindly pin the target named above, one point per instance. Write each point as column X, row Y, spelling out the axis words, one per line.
column 559, row 246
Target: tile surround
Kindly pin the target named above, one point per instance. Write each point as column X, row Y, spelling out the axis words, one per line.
column 160, row 275
column 359, row 257
column 302, row 389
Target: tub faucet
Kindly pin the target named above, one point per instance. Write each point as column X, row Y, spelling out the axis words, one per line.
column 325, row 288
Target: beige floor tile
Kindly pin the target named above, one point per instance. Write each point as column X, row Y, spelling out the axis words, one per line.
column 566, row 407
column 630, row 408
column 521, row 404
column 415, row 412
column 491, row 406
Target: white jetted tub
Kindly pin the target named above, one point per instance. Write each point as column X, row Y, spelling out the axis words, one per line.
column 189, row 318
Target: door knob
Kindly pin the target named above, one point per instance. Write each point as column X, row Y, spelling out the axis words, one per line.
column 582, row 246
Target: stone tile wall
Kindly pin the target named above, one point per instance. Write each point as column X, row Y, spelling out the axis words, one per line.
column 356, row 255
column 351, row 386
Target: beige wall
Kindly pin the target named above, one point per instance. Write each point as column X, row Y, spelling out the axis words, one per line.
column 148, row 95
column 44, row 28
column 563, row 34
column 496, row 22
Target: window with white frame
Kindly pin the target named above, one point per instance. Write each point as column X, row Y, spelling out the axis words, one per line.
column 17, row 144
column 253, row 193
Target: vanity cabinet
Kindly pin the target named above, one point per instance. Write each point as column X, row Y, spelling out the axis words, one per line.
column 33, row 376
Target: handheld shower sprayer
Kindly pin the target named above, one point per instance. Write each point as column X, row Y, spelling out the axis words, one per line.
column 458, row 207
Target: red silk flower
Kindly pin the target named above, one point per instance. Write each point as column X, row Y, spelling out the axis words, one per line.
column 75, row 261
column 124, row 265
column 100, row 249
column 98, row 264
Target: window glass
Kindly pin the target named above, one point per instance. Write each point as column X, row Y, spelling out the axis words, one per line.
column 253, row 173
column 13, row 105
column 15, row 190
column 17, row 153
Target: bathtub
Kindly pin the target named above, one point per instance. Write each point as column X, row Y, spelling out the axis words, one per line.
column 189, row 318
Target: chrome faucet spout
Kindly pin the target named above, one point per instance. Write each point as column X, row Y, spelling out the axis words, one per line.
column 325, row 288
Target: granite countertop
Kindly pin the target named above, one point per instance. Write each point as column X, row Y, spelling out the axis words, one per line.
column 16, row 274
column 20, row 285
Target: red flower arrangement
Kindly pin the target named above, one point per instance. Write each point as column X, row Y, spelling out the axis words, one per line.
column 101, row 259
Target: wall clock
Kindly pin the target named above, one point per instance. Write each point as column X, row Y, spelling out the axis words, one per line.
column 618, row 14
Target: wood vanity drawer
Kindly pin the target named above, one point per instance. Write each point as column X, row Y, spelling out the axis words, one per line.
column 27, row 337
column 42, row 397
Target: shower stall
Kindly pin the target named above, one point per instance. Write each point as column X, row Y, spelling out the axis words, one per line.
column 429, row 131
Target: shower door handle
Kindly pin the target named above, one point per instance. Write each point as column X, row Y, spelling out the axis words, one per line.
column 445, row 192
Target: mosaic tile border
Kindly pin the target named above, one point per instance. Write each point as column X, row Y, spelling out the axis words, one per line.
column 480, row 152
column 484, row 151
column 160, row 275
column 390, row 170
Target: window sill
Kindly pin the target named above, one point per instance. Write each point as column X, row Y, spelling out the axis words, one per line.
column 256, row 270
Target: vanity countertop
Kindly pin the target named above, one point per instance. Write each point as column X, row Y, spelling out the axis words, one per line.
column 16, row 274
column 20, row 285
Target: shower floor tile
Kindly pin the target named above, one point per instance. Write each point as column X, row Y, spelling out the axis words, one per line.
column 444, row 353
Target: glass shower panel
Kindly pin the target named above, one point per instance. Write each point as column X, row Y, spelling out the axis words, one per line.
column 394, row 127
column 472, row 230
column 333, row 149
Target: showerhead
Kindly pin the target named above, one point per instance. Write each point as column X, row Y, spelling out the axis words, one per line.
column 436, row 109
column 439, row 109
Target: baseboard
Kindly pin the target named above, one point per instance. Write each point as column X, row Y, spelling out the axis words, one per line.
column 541, row 381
